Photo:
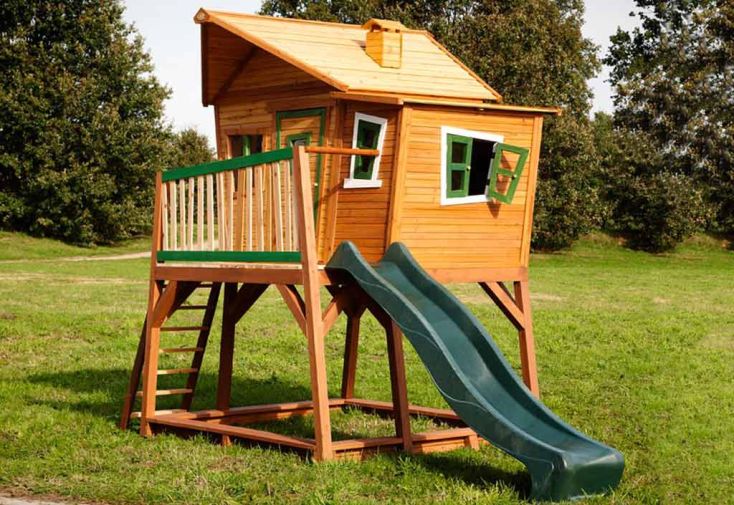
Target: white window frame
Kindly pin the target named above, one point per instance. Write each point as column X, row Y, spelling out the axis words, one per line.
column 450, row 130
column 352, row 183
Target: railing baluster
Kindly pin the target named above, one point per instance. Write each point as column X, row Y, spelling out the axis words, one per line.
column 210, row 212
column 174, row 215
column 230, row 211
column 200, row 213
column 278, row 207
column 164, row 216
column 259, row 189
column 190, row 225
column 219, row 214
column 250, row 198
column 182, row 212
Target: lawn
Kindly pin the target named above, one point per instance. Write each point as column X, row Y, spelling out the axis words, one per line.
column 634, row 349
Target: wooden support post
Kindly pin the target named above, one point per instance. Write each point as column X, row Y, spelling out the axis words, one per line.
column 527, row 340
column 226, row 349
column 134, row 382
column 351, row 350
column 399, row 385
column 517, row 310
column 314, row 325
column 152, row 335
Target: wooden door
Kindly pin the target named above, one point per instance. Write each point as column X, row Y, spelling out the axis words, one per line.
column 304, row 127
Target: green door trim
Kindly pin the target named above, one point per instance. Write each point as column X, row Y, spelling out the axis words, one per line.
column 294, row 114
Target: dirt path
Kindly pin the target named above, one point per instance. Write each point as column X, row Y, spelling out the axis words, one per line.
column 112, row 257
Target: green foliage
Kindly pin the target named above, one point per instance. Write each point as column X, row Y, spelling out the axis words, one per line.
column 654, row 209
column 530, row 51
column 81, row 133
column 674, row 77
column 189, row 147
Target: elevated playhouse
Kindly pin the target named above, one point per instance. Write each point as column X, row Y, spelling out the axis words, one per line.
column 369, row 161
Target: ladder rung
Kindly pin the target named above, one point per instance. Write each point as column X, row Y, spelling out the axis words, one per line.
column 192, row 307
column 182, row 349
column 136, row 415
column 185, row 328
column 168, row 392
column 176, row 371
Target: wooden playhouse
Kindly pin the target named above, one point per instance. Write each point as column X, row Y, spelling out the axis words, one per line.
column 328, row 133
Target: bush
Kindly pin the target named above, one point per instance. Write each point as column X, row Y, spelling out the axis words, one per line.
column 652, row 206
column 660, row 211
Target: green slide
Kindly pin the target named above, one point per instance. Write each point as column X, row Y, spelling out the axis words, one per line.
column 475, row 379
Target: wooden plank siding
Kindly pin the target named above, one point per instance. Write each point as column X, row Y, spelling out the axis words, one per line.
column 475, row 235
column 362, row 213
column 263, row 87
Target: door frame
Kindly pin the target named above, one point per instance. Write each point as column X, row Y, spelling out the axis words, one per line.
column 319, row 112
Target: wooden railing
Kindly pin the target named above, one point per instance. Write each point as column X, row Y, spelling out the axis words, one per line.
column 240, row 209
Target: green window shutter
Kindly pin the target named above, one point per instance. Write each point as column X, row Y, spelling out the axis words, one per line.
column 458, row 164
column 502, row 181
column 368, row 137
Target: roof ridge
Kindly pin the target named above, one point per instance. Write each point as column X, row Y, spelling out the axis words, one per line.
column 297, row 20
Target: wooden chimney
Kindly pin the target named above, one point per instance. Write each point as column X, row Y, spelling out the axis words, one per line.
column 385, row 42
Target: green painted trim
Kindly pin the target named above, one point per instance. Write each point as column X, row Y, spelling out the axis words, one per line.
column 364, row 126
column 321, row 112
column 463, row 166
column 291, row 139
column 239, row 256
column 514, row 175
column 214, row 167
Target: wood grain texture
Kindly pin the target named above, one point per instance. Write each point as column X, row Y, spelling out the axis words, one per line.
column 471, row 236
column 334, row 53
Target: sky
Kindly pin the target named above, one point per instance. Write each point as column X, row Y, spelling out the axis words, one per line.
column 172, row 39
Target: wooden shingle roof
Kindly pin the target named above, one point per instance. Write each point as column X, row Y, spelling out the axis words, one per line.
column 334, row 53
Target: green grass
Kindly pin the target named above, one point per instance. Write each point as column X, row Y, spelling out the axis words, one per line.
column 634, row 349
column 17, row 246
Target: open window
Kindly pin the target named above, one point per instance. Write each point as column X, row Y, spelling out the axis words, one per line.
column 369, row 133
column 245, row 145
column 478, row 166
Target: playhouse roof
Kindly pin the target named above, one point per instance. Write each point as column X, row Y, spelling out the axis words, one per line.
column 335, row 54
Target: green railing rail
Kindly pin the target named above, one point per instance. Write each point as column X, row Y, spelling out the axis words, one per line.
column 214, row 167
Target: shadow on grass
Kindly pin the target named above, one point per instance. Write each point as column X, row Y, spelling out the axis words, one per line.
column 475, row 472
column 99, row 392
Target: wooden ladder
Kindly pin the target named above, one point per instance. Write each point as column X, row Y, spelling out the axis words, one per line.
column 191, row 372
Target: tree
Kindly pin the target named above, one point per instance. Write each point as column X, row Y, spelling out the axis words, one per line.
column 81, row 132
column 674, row 79
column 189, row 147
column 533, row 52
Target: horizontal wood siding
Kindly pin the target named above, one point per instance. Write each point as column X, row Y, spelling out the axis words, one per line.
column 265, row 85
column 362, row 213
column 477, row 235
